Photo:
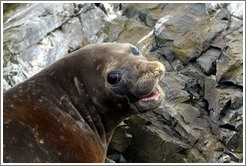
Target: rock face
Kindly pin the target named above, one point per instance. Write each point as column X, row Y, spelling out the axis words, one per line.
column 201, row 46
column 33, row 48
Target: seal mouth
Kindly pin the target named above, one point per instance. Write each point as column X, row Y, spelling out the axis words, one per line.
column 151, row 101
column 153, row 96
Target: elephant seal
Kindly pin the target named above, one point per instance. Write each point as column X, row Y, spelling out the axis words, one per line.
column 69, row 111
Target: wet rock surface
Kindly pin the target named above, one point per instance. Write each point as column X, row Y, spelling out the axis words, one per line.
column 201, row 46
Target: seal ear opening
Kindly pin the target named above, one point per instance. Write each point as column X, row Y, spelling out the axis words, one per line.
column 134, row 51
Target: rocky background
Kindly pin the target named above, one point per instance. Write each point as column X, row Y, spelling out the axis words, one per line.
column 201, row 46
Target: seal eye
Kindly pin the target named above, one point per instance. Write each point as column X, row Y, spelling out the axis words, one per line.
column 113, row 78
column 134, row 50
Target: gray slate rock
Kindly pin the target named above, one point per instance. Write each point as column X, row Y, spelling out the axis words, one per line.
column 190, row 30
column 202, row 117
column 207, row 61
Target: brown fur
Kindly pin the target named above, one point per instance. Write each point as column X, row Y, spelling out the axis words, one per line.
column 68, row 112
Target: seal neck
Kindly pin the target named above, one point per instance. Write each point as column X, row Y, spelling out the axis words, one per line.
column 74, row 83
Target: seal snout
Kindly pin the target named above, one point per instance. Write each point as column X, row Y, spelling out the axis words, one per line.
column 160, row 69
column 152, row 94
column 156, row 69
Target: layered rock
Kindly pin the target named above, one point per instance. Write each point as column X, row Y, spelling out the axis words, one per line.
column 201, row 46
column 33, row 40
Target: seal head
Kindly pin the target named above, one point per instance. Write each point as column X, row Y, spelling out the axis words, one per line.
column 137, row 80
